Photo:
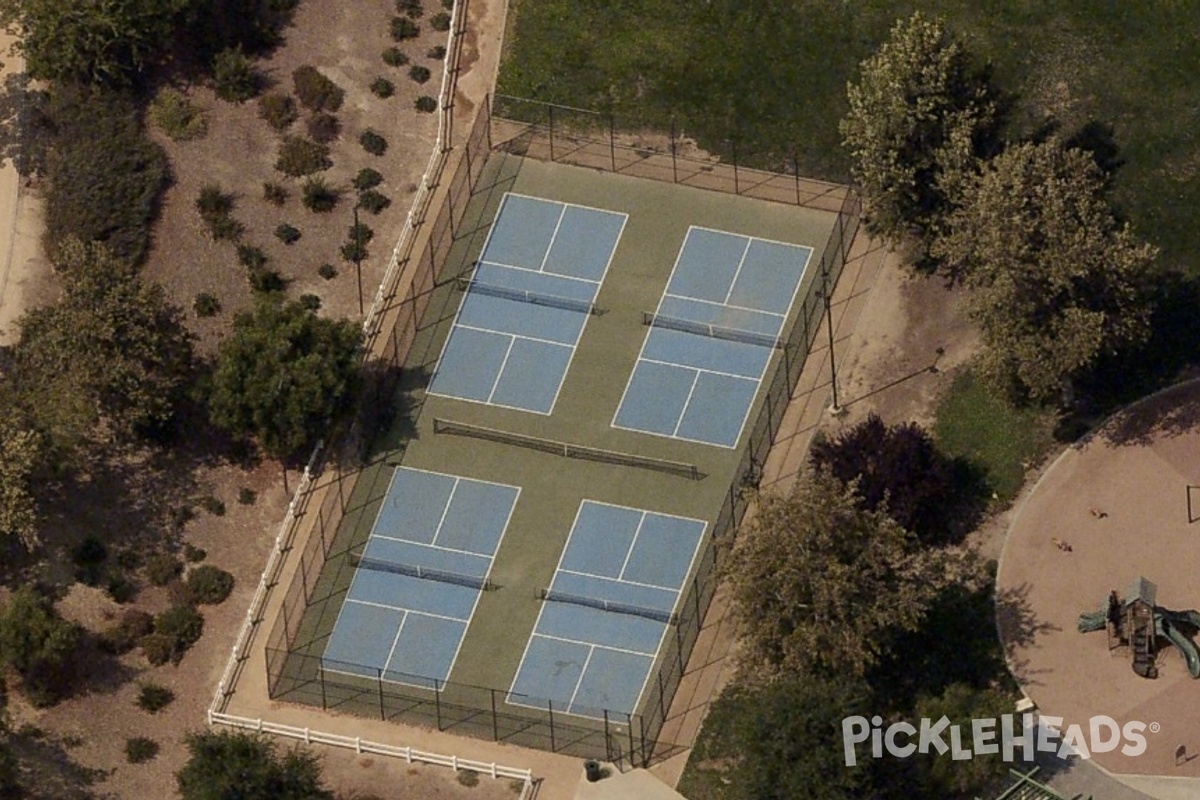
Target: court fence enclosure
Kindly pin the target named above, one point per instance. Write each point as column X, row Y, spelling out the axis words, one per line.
column 295, row 668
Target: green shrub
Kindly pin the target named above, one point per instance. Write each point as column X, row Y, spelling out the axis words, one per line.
column 404, row 28
column 367, row 178
column 426, row 104
column 234, row 78
column 410, row 8
column 206, row 305
column 89, row 557
column 315, row 91
column 447, row 4
column 467, row 777
column 129, row 559
column 419, row 73
column 213, row 202
column 139, row 749
column 157, row 648
column 373, row 201
column 120, row 588
column 373, row 143
column 177, row 116
column 127, row 632
column 247, row 496
column 440, row 21
column 162, row 568
column 225, row 229
column 266, row 281
column 327, row 271
column 299, row 157
column 104, row 182
column 395, row 57
column 250, row 256
column 153, row 697
column 193, row 554
column 311, row 302
column 354, row 251
column 274, row 193
column 182, row 515
column 383, row 88
column 182, row 625
column 288, row 234
column 319, row 196
column 324, row 127
column 213, row 505
column 279, row 110
column 361, row 233
column 208, row 585
column 437, row 52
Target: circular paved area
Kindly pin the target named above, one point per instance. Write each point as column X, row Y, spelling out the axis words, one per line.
column 1133, row 474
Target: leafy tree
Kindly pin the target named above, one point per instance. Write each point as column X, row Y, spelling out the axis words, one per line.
column 897, row 470
column 25, row 125
column 817, row 580
column 36, row 643
column 786, row 740
column 1057, row 283
column 282, row 374
column 113, row 347
column 918, row 116
column 20, row 458
column 102, row 42
column 228, row 765
column 943, row 776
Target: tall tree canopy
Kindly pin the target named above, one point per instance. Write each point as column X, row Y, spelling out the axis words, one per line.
column 112, row 349
column 817, row 579
column 227, row 765
column 1056, row 281
column 20, row 457
column 918, row 115
column 282, row 375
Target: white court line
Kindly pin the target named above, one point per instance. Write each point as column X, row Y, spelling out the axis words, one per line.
column 753, row 238
column 562, row 212
column 687, row 402
column 512, row 340
column 625, row 650
column 434, row 546
column 478, row 329
column 460, row 478
column 566, row 203
column 747, row 378
column 502, row 265
column 579, row 682
column 632, row 544
column 641, row 510
column 392, row 649
column 734, row 306
column 445, row 511
column 672, row 589
column 738, row 271
column 407, row 610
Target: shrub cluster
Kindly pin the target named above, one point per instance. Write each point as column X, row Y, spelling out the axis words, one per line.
column 216, row 209
column 372, row 142
column 127, row 632
column 279, row 110
column 367, row 178
column 162, row 568
column 311, row 302
column 234, row 78
column 175, row 630
column 440, row 21
column 382, row 87
column 324, row 127
column 299, row 157
column 418, row 73
column 315, row 91
column 208, row 585
column 288, row 234
column 275, row 193
column 404, row 28
column 319, row 196
column 154, row 697
column 426, row 104
column 177, row 116
column 410, row 8
column 206, row 304
column 394, row 57
column 373, row 201
column 251, row 257
column 139, row 749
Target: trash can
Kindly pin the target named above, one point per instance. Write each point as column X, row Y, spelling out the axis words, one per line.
column 592, row 769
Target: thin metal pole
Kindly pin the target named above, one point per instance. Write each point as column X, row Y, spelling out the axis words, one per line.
column 1191, row 518
column 674, row 165
column 437, row 702
column 632, row 749
column 379, row 683
column 829, row 319
column 495, row 724
column 612, row 139
column 736, row 186
column 552, row 133
column 550, row 708
column 358, row 259
column 796, row 172
column 321, row 675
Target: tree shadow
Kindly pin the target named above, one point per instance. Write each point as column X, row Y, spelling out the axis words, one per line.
column 1099, row 139
column 1019, row 627
column 47, row 770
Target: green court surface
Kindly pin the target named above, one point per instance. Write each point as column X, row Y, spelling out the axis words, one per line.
column 553, row 487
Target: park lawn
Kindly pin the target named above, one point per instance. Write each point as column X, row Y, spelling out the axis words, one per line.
column 1001, row 441
column 767, row 79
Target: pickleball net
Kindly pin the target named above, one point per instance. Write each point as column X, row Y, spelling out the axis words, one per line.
column 712, row 331
column 358, row 560
column 526, row 296
column 559, row 596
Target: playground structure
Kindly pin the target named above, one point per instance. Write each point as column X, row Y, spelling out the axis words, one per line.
column 1138, row 622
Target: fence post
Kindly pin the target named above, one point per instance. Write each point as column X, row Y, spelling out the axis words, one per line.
column 321, row 677
column 550, row 708
column 796, row 172
column 379, row 683
column 495, row 723
column 733, row 147
column 551, row 133
column 487, row 108
column 612, row 139
column 674, row 165
column 629, row 727
column 437, row 702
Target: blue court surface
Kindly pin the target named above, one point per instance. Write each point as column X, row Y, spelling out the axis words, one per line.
column 527, row 303
column 581, row 659
column 401, row 627
column 714, row 332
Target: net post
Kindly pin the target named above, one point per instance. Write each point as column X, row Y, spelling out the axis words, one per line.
column 437, row 702
column 379, row 684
